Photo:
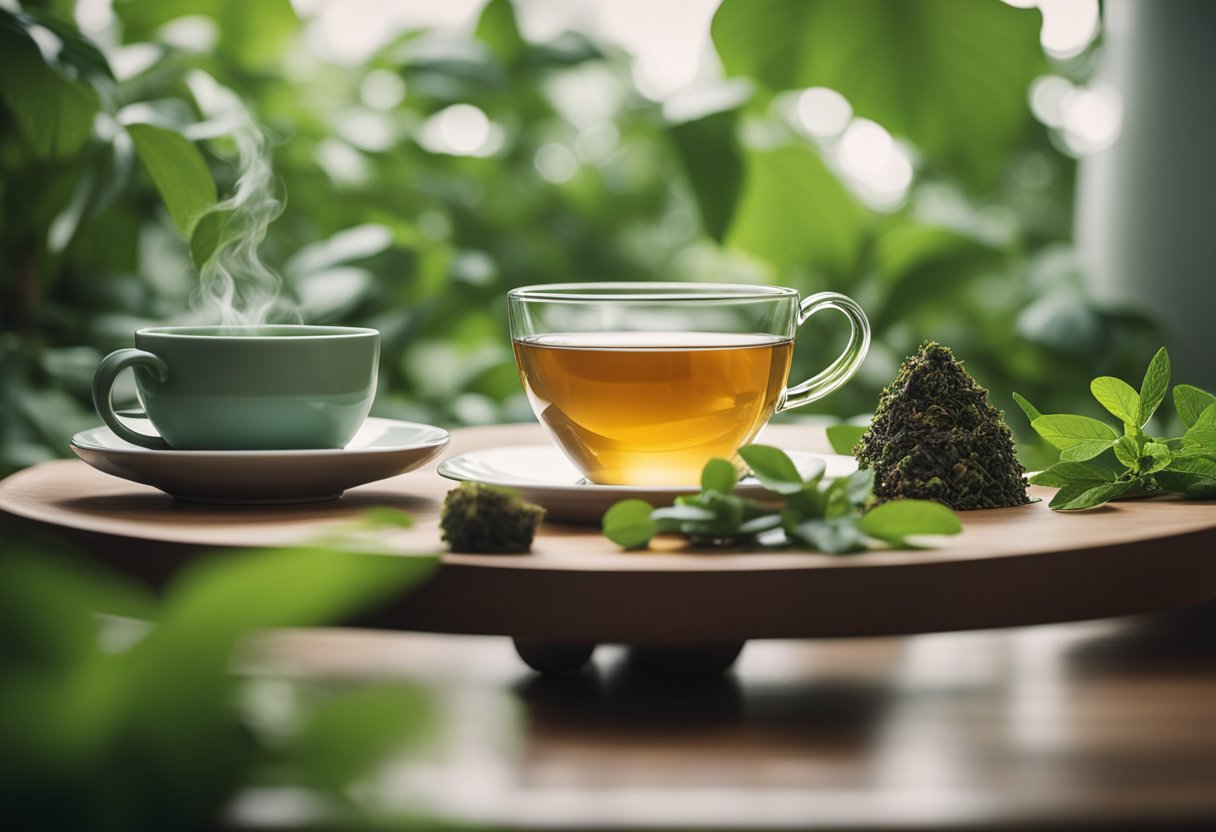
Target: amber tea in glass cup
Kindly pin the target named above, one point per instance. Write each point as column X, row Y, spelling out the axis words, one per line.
column 642, row 383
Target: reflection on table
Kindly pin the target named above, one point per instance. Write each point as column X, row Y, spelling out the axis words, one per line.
column 1110, row 723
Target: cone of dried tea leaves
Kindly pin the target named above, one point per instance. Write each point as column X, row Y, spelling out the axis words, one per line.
column 935, row 436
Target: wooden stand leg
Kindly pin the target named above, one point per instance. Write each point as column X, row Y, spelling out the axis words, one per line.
column 707, row 658
column 550, row 657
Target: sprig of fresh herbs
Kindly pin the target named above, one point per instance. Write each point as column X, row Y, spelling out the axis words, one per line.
column 1143, row 464
column 810, row 513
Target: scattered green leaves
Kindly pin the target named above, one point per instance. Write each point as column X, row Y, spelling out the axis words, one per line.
column 829, row 517
column 1185, row 465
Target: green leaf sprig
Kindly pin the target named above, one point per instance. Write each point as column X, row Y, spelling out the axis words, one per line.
column 830, row 517
column 1142, row 464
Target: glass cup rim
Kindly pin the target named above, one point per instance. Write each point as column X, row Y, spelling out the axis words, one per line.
column 649, row 292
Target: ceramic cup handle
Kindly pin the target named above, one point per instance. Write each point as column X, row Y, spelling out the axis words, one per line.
column 840, row 370
column 103, row 382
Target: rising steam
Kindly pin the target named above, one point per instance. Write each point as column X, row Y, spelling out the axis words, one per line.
column 236, row 288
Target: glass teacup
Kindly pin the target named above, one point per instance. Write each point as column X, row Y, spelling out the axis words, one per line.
column 642, row 383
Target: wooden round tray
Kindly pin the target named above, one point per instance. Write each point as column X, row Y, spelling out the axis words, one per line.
column 1009, row 567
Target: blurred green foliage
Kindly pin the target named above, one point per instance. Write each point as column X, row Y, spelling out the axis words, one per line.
column 108, row 724
column 102, row 203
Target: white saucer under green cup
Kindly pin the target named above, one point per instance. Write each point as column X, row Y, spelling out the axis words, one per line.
column 245, row 387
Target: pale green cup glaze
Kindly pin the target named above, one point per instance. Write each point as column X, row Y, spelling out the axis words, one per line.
column 245, row 388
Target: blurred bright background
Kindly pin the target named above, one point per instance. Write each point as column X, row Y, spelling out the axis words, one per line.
column 921, row 157
column 991, row 175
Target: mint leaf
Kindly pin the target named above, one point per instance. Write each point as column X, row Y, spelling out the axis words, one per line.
column 1118, row 397
column 628, row 523
column 757, row 525
column 773, row 467
column 719, row 475
column 834, row 537
column 897, row 520
column 1083, row 451
column 1076, row 498
column 1073, row 473
column 1066, row 431
column 1193, row 465
column 858, row 487
column 1203, row 431
column 1191, row 485
column 682, row 514
column 843, row 437
column 1190, row 402
column 825, row 517
column 1152, row 389
column 1127, row 452
column 1030, row 410
column 1154, row 457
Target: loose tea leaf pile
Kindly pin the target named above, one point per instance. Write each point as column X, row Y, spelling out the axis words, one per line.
column 488, row 519
column 935, row 436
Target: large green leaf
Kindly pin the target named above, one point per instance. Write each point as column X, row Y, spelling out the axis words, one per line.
column 53, row 113
column 713, row 162
column 795, row 214
column 926, row 266
column 498, row 30
column 178, row 170
column 950, row 75
column 207, row 235
column 77, row 51
column 253, row 34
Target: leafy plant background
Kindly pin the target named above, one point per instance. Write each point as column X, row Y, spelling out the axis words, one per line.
column 111, row 155
column 101, row 212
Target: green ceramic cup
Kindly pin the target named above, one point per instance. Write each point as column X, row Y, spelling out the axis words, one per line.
column 246, row 387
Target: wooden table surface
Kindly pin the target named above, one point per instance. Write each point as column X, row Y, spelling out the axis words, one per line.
column 1107, row 724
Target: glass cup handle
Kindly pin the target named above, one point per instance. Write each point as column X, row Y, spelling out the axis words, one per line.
column 103, row 382
column 840, row 370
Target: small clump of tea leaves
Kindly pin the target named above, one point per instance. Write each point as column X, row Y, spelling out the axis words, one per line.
column 935, row 436
column 488, row 519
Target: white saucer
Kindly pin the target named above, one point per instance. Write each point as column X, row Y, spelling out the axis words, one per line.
column 382, row 448
column 542, row 475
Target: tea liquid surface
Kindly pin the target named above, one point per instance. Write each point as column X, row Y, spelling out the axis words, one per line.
column 650, row 408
